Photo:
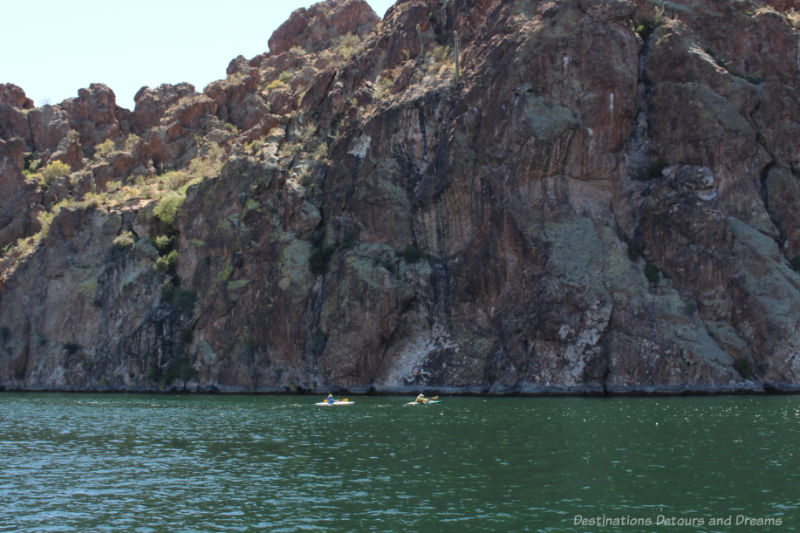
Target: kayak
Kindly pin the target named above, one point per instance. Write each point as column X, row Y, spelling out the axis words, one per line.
column 426, row 403
column 335, row 402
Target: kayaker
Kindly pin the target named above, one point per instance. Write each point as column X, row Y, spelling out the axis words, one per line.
column 329, row 399
column 421, row 398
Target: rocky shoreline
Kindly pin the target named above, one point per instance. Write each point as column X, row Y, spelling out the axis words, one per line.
column 528, row 392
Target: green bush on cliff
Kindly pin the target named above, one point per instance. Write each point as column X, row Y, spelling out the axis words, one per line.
column 50, row 173
column 164, row 244
column 124, row 240
column 45, row 219
column 648, row 26
column 173, row 180
column 31, row 164
column 166, row 263
column 347, row 45
column 104, row 148
column 131, row 141
column 275, row 84
column 167, row 208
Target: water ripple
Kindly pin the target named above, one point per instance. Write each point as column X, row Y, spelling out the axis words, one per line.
column 155, row 463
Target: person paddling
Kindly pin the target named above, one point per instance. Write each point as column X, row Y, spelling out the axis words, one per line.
column 329, row 399
column 421, row 398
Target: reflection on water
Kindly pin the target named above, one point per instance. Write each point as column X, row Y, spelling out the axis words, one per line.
column 155, row 463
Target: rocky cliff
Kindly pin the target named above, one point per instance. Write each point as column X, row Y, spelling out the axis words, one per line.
column 469, row 196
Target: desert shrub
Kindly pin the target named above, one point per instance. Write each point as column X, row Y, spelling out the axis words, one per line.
column 320, row 152
column 348, row 45
column 53, row 171
column 255, row 146
column 45, row 219
column 275, row 84
column 167, row 208
column 131, row 141
column 175, row 179
column 124, row 240
column 164, row 244
column 31, row 164
column 208, row 165
column 105, row 148
column 648, row 26
column 385, row 85
column 441, row 54
column 166, row 263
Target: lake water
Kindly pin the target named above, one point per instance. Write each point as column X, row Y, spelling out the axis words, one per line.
column 74, row 462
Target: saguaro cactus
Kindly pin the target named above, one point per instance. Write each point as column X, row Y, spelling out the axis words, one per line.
column 419, row 36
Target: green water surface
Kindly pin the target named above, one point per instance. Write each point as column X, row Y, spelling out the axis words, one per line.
column 74, row 462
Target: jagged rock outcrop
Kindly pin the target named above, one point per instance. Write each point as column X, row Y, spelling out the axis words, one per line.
column 94, row 114
column 314, row 28
column 603, row 200
column 13, row 107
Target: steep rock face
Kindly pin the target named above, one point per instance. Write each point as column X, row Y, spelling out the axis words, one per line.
column 602, row 199
column 15, row 195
